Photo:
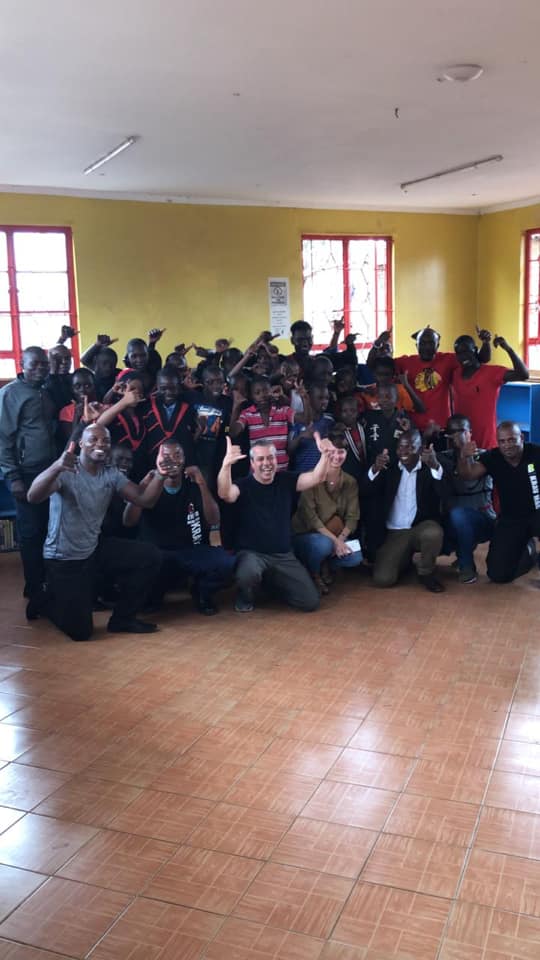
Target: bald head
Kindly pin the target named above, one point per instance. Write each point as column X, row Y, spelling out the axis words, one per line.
column 95, row 446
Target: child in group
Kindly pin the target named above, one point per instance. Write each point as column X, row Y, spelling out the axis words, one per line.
column 213, row 412
column 384, row 426
column 303, row 448
column 264, row 420
column 169, row 415
column 82, row 386
column 124, row 417
column 384, row 372
column 345, row 385
column 144, row 358
column 355, row 438
column 102, row 361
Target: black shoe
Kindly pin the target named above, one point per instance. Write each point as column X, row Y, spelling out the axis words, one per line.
column 206, row 606
column 130, row 625
column 244, row 602
column 36, row 604
column 431, row 583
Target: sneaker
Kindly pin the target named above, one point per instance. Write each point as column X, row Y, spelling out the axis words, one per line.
column 244, row 602
column 431, row 583
column 467, row 575
column 130, row 625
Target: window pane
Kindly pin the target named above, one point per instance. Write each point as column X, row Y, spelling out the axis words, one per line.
column 535, row 246
column 362, row 284
column 323, row 285
column 6, row 337
column 534, row 357
column 4, row 292
column 43, row 291
column 3, row 251
column 40, row 251
column 7, row 369
column 532, row 321
column 42, row 329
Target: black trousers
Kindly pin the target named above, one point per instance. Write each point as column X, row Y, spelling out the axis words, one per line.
column 32, row 522
column 133, row 566
column 508, row 556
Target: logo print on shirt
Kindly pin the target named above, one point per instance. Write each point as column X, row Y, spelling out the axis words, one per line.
column 427, row 379
column 193, row 521
column 533, row 480
column 374, row 432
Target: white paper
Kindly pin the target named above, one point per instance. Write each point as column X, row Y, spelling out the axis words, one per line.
column 279, row 306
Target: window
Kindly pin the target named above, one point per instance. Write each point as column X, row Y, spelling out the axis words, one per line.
column 37, row 291
column 531, row 300
column 349, row 277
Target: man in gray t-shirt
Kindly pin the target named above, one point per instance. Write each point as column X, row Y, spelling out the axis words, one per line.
column 80, row 492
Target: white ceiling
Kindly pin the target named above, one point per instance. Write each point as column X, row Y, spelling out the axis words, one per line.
column 314, row 123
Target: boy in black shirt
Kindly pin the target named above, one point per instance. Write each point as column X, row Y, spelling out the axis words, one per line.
column 515, row 468
column 384, row 427
column 179, row 525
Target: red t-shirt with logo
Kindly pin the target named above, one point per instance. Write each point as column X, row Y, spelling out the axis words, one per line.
column 476, row 398
column 431, row 380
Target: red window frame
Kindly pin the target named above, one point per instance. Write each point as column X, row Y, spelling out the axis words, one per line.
column 345, row 238
column 72, row 316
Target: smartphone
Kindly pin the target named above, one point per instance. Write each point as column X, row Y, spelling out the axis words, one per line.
column 353, row 545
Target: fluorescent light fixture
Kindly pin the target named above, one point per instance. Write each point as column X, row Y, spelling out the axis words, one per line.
column 460, row 169
column 462, row 72
column 128, row 142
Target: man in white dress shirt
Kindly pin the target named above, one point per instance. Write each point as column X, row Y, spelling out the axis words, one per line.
column 410, row 507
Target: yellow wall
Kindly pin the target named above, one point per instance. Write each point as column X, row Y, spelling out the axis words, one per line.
column 500, row 281
column 201, row 271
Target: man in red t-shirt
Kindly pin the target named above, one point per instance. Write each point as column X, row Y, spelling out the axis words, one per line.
column 475, row 388
column 430, row 374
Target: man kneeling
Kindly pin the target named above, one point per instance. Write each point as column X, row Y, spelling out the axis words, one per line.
column 265, row 502
column 81, row 491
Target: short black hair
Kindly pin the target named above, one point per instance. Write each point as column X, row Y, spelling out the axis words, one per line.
column 211, row 371
column 385, row 361
column 301, row 325
column 168, row 371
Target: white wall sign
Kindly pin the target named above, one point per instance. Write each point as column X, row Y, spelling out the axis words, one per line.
column 279, row 306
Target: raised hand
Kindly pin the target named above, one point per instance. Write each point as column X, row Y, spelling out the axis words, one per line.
column 232, row 453
column 350, row 338
column 104, row 340
column 155, row 334
column 381, row 461
column 482, row 334
column 92, row 410
column 501, row 342
column 338, row 325
column 323, row 445
column 132, row 395
column 429, row 457
column 68, row 461
column 67, row 333
column 383, row 338
column 403, row 423
column 195, row 474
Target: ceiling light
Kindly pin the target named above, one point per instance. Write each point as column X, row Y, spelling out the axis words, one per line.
column 462, row 72
column 128, row 142
column 460, row 169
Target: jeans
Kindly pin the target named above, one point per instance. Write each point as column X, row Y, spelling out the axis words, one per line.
column 32, row 522
column 464, row 528
column 209, row 568
column 313, row 548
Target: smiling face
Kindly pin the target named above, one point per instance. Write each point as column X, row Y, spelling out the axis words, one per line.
column 408, row 449
column 95, row 445
column 171, row 460
column 337, row 455
column 263, row 462
column 137, row 354
column 213, row 383
column 466, row 352
column 510, row 442
column 35, row 365
column 168, row 388
column 122, row 459
column 260, row 394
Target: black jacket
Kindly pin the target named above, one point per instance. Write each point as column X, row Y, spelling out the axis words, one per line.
column 383, row 490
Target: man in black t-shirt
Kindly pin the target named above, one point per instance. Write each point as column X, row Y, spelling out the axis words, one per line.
column 179, row 525
column 265, row 502
column 515, row 468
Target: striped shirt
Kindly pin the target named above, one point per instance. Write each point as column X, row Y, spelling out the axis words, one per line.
column 276, row 431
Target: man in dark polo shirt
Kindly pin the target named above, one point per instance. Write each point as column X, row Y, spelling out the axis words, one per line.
column 265, row 502
column 515, row 468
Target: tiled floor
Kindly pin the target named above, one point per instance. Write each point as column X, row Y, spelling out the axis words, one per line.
column 358, row 784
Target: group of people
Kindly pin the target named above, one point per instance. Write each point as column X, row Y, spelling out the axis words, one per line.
column 258, row 468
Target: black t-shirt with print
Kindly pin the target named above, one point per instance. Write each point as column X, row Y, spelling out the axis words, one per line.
column 264, row 513
column 177, row 520
column 518, row 487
